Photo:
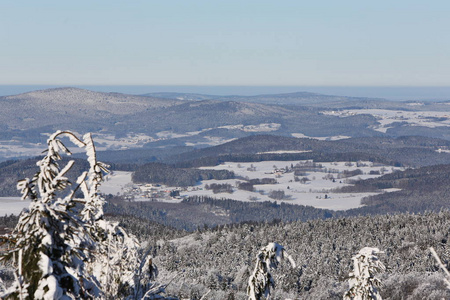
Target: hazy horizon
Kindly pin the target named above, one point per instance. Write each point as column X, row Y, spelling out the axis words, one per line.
column 398, row 93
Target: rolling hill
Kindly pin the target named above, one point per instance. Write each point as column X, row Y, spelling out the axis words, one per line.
column 168, row 120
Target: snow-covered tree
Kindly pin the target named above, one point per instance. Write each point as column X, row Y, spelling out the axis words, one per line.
column 49, row 240
column 363, row 283
column 261, row 280
column 62, row 247
column 441, row 265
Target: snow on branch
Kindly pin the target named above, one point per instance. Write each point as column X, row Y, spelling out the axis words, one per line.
column 267, row 259
column 363, row 283
column 441, row 265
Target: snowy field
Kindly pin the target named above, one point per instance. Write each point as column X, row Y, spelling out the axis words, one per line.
column 322, row 138
column 317, row 191
column 15, row 148
column 386, row 117
column 12, row 205
column 116, row 183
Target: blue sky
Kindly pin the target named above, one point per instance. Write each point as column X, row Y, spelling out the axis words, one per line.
column 246, row 42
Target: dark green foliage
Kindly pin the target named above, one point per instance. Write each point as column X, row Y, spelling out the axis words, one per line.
column 246, row 186
column 9, row 221
column 220, row 188
column 352, row 173
column 125, row 159
column 169, row 175
column 422, row 189
column 409, row 151
column 263, row 181
column 146, row 230
column 277, row 194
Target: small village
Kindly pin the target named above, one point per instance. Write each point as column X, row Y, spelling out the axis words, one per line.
column 309, row 183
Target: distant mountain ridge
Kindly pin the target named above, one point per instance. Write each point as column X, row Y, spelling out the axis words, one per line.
column 71, row 108
column 85, row 110
column 196, row 120
column 297, row 98
column 409, row 151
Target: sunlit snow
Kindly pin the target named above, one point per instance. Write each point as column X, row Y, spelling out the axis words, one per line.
column 12, row 205
column 317, row 192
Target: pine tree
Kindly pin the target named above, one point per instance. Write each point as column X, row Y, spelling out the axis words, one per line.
column 261, row 280
column 363, row 283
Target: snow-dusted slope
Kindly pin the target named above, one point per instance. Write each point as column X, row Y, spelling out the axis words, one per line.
column 66, row 105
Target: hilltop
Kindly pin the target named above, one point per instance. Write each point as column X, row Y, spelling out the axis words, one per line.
column 170, row 120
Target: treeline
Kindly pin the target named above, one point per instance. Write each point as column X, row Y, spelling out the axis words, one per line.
column 173, row 176
column 9, row 221
column 410, row 150
column 266, row 211
column 424, row 178
column 199, row 211
column 220, row 188
column 146, row 230
column 316, row 156
column 422, row 189
column 402, row 151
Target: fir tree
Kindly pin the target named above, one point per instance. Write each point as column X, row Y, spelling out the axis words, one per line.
column 363, row 283
column 261, row 280
column 49, row 240
column 63, row 248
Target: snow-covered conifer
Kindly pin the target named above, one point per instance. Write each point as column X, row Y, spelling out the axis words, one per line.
column 48, row 241
column 63, row 247
column 261, row 280
column 363, row 283
column 441, row 265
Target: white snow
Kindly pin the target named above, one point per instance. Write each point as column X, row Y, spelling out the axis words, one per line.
column 322, row 138
column 317, row 192
column 210, row 141
column 116, row 183
column 386, row 117
column 12, row 205
column 15, row 148
column 284, row 151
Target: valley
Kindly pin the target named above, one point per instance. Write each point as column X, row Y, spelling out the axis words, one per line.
column 155, row 121
column 308, row 183
column 217, row 178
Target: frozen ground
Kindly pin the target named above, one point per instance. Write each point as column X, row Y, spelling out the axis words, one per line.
column 15, row 148
column 103, row 141
column 116, row 183
column 12, row 205
column 323, row 138
column 386, row 117
column 317, row 192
